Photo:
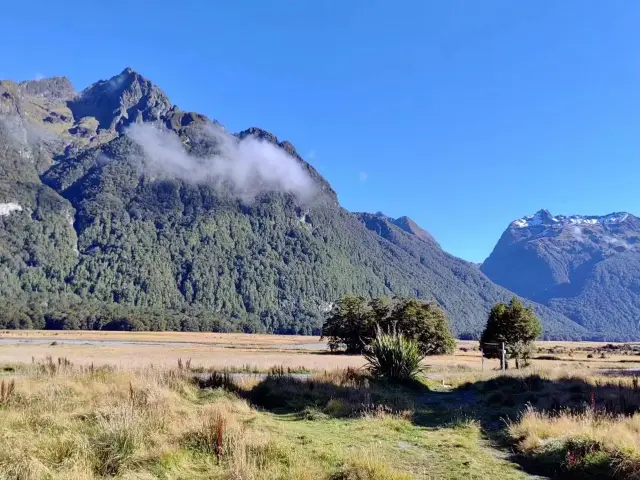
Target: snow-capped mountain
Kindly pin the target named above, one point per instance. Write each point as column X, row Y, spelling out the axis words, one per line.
column 587, row 267
column 543, row 217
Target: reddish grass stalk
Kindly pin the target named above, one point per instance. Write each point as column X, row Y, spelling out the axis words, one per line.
column 219, row 436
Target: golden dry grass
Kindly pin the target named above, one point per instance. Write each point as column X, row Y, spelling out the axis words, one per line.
column 228, row 339
column 585, row 445
column 201, row 356
column 534, row 429
column 576, row 424
column 151, row 423
column 67, row 422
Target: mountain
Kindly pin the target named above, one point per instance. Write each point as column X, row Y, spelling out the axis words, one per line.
column 115, row 198
column 586, row 267
column 457, row 285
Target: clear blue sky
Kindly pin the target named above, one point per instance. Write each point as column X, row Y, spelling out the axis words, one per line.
column 463, row 115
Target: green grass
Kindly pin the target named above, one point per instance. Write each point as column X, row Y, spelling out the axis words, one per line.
column 424, row 452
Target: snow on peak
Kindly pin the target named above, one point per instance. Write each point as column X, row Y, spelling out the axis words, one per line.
column 540, row 218
column 543, row 217
column 7, row 208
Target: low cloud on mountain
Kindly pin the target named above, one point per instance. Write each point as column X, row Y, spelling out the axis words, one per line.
column 248, row 167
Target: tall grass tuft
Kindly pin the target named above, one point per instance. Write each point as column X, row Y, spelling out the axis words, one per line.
column 217, row 379
column 589, row 444
column 6, row 391
column 394, row 357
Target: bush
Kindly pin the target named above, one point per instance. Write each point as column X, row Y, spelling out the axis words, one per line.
column 394, row 357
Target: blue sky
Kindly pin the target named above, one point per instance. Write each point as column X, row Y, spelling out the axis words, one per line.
column 463, row 115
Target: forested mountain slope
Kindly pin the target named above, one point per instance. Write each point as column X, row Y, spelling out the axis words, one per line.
column 114, row 196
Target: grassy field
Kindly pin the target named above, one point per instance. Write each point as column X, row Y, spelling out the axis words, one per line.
column 261, row 352
column 61, row 421
column 129, row 409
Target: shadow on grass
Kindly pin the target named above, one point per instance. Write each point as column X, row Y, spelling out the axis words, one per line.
column 505, row 398
column 509, row 395
column 490, row 403
column 348, row 394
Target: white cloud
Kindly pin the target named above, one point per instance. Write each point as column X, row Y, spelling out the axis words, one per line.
column 579, row 234
column 312, row 155
column 39, row 76
column 246, row 167
column 363, row 176
column 23, row 133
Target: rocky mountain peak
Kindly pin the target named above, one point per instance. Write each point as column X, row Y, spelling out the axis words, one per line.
column 123, row 99
column 383, row 226
column 586, row 266
column 541, row 217
column 54, row 88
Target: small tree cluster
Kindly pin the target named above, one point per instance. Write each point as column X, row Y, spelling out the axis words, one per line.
column 353, row 322
column 514, row 325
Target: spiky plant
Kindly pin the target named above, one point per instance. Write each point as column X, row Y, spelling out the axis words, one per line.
column 394, row 357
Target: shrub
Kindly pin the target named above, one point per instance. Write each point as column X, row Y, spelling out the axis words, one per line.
column 578, row 445
column 217, row 379
column 394, row 357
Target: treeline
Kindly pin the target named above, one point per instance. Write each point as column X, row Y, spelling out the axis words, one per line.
column 60, row 314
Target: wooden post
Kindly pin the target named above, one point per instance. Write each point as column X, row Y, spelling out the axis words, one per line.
column 503, row 357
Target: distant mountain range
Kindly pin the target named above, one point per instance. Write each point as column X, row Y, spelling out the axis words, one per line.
column 586, row 267
column 115, row 196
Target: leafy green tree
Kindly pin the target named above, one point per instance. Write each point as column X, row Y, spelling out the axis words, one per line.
column 514, row 325
column 353, row 322
column 424, row 322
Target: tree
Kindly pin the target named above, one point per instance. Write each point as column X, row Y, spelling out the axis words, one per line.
column 514, row 325
column 425, row 322
column 353, row 322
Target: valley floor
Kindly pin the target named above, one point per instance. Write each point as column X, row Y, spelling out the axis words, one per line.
column 87, row 405
column 260, row 352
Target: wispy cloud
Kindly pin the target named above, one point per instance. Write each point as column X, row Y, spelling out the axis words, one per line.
column 363, row 176
column 25, row 134
column 246, row 167
column 39, row 76
column 579, row 234
column 312, row 155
